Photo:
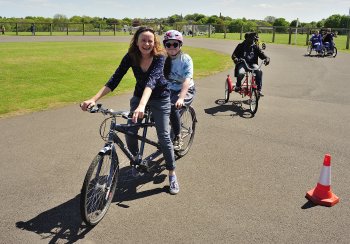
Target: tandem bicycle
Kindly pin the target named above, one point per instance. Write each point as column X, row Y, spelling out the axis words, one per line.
column 102, row 177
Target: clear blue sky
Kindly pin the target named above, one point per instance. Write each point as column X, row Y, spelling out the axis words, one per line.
column 305, row 10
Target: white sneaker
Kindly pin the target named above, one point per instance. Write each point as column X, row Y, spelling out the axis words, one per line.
column 178, row 143
column 173, row 185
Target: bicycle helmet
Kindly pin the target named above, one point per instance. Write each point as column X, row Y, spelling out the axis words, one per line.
column 250, row 36
column 173, row 35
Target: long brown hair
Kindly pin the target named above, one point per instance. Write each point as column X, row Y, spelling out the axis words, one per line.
column 134, row 50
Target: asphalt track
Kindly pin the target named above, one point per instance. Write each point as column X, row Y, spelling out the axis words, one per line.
column 244, row 180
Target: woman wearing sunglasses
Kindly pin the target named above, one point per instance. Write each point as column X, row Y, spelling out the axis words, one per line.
column 146, row 58
column 178, row 69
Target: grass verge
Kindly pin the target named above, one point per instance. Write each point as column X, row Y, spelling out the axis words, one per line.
column 41, row 75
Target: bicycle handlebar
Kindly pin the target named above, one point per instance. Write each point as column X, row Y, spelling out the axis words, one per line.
column 250, row 68
column 98, row 108
column 126, row 114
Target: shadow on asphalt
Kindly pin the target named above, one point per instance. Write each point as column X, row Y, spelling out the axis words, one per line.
column 59, row 223
column 308, row 205
column 64, row 221
column 318, row 56
column 313, row 55
column 234, row 106
column 129, row 187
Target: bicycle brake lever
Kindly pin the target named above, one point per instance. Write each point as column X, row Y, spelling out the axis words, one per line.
column 95, row 108
column 92, row 110
column 126, row 115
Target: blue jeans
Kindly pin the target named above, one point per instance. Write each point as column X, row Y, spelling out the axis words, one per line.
column 160, row 113
column 241, row 72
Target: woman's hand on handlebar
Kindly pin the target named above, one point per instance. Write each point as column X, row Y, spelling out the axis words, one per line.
column 87, row 104
column 138, row 113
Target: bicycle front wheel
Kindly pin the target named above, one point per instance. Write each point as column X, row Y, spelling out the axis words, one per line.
column 98, row 188
column 188, row 128
column 253, row 101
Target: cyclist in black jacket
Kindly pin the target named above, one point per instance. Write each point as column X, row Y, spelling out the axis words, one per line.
column 249, row 51
column 328, row 37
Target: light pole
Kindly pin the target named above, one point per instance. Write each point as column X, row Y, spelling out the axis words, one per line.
column 348, row 30
column 296, row 31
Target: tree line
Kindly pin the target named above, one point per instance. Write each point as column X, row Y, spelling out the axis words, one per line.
column 333, row 21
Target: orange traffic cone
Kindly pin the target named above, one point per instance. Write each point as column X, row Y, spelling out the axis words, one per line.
column 322, row 194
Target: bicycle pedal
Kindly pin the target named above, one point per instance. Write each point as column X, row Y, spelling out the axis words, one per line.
column 143, row 168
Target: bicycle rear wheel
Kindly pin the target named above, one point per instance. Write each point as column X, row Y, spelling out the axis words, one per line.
column 187, row 130
column 253, row 101
column 98, row 188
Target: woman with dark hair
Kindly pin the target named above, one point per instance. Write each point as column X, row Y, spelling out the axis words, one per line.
column 146, row 58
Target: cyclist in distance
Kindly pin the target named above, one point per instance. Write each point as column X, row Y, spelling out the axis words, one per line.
column 146, row 57
column 178, row 70
column 328, row 37
column 316, row 41
column 249, row 51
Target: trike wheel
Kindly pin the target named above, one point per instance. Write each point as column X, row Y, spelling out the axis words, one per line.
column 309, row 49
column 253, row 101
column 335, row 52
column 227, row 91
column 187, row 130
column 98, row 188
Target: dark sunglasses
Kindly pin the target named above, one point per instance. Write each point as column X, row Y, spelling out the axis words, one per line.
column 175, row 44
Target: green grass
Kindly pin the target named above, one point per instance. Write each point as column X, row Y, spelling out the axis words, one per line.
column 41, row 75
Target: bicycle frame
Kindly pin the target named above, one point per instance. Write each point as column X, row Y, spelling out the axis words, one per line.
column 113, row 138
column 246, row 84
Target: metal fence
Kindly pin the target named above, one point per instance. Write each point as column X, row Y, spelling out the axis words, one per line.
column 272, row 34
column 22, row 28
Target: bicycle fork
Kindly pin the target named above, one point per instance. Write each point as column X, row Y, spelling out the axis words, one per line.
column 109, row 148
